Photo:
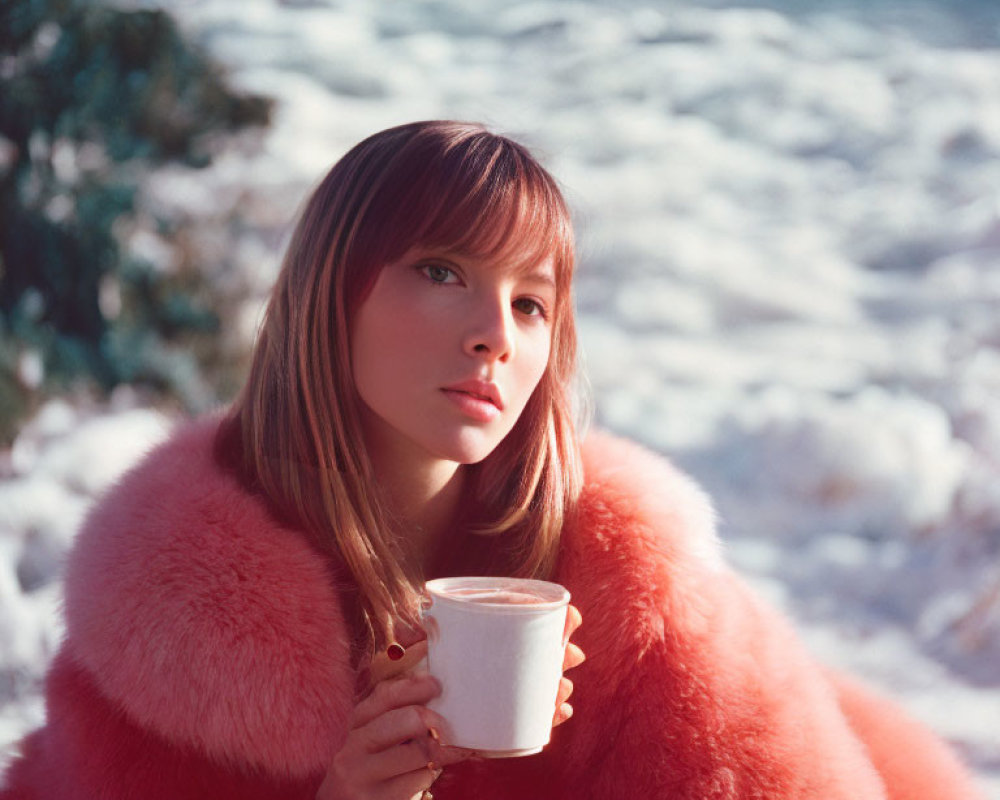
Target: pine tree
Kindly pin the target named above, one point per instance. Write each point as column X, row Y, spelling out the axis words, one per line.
column 90, row 96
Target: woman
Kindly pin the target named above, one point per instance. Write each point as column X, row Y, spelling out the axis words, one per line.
column 234, row 606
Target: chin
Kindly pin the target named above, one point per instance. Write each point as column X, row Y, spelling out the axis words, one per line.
column 470, row 448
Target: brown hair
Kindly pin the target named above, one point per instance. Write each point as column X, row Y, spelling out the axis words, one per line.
column 448, row 185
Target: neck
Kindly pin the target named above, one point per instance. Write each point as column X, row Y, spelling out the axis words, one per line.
column 423, row 497
column 427, row 507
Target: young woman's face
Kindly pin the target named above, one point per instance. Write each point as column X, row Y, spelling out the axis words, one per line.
column 446, row 350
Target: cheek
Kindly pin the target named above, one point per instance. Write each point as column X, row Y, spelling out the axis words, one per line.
column 388, row 359
column 387, row 334
column 372, row 355
column 536, row 364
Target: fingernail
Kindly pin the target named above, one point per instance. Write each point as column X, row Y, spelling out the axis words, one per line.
column 395, row 651
column 432, row 732
column 432, row 766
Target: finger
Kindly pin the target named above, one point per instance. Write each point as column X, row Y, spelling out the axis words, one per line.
column 573, row 621
column 563, row 713
column 408, row 756
column 446, row 756
column 573, row 657
column 399, row 725
column 384, row 667
column 565, row 690
column 412, row 755
column 414, row 690
column 410, row 785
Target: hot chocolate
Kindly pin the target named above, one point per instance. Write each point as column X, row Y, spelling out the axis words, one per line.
column 503, row 597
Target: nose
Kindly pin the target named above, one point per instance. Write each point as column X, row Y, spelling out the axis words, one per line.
column 491, row 331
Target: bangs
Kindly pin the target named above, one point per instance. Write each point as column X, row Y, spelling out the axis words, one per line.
column 514, row 213
column 475, row 194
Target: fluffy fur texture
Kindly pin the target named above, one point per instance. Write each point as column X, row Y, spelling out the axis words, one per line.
column 207, row 657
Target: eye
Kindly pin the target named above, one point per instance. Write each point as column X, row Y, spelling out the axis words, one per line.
column 438, row 274
column 531, row 307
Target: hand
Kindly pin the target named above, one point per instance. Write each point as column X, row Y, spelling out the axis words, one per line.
column 574, row 657
column 391, row 751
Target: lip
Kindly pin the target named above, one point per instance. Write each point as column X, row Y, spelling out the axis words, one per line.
column 477, row 400
column 478, row 390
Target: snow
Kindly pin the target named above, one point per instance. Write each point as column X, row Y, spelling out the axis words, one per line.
column 789, row 229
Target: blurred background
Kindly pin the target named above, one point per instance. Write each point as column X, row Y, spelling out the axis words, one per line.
column 788, row 218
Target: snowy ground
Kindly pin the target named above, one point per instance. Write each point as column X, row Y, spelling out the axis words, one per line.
column 789, row 226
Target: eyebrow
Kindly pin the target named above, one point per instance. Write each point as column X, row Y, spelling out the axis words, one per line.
column 534, row 270
column 540, row 277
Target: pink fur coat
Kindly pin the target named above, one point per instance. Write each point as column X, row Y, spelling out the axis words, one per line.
column 207, row 656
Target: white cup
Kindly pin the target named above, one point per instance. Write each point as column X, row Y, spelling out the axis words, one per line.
column 496, row 647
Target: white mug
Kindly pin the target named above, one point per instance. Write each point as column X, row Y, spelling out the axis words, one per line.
column 496, row 646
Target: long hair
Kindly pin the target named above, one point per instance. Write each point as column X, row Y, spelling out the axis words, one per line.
column 297, row 423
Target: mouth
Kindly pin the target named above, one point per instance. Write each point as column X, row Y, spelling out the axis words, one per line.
column 480, row 391
column 475, row 396
column 478, row 400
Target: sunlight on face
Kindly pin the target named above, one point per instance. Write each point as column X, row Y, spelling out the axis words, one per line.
column 446, row 351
